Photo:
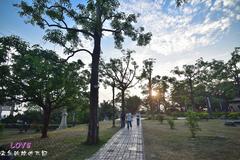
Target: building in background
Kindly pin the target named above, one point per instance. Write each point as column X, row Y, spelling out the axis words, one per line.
column 234, row 105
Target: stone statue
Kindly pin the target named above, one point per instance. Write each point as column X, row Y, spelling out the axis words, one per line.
column 63, row 123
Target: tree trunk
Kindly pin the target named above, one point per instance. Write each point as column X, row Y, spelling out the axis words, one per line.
column 221, row 105
column 192, row 95
column 224, row 103
column 113, row 101
column 159, row 104
column 46, row 118
column 73, row 119
column 209, row 105
column 123, row 109
column 93, row 126
column 165, row 107
column 238, row 85
column 0, row 112
column 150, row 93
column 12, row 109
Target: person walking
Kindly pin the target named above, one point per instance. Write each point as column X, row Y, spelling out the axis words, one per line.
column 129, row 120
column 138, row 118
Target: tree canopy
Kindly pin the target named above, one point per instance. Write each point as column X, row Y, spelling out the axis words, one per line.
column 39, row 76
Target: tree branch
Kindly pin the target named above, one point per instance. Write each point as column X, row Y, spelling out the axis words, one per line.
column 20, row 100
column 126, row 67
column 133, row 75
column 118, row 79
column 74, row 52
column 67, row 28
column 109, row 17
column 69, row 12
column 110, row 30
column 130, row 86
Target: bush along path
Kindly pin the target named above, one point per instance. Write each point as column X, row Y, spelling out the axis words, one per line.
column 125, row 144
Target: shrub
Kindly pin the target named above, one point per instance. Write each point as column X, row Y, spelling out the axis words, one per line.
column 178, row 114
column 217, row 114
column 161, row 118
column 171, row 123
column 202, row 115
column 233, row 115
column 192, row 123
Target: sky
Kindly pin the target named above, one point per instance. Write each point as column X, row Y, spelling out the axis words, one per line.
column 200, row 28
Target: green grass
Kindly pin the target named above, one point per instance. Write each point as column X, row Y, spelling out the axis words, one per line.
column 214, row 142
column 67, row 144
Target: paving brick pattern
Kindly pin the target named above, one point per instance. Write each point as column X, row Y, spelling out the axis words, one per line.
column 124, row 145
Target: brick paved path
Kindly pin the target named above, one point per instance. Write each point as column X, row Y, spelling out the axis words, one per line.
column 124, row 145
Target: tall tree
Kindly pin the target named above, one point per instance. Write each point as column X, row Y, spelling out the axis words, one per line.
column 179, row 94
column 124, row 72
column 217, row 82
column 69, row 22
column 147, row 74
column 109, row 80
column 233, row 69
column 190, row 73
column 205, row 84
column 39, row 76
column 4, row 72
column 161, row 86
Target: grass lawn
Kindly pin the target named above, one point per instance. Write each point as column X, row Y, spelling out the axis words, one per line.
column 214, row 142
column 67, row 144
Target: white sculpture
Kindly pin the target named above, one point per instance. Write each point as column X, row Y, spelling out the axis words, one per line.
column 63, row 123
column 4, row 108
